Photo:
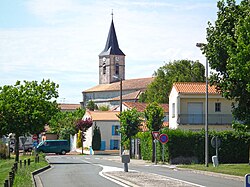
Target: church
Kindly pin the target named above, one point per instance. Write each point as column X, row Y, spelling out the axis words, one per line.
column 112, row 82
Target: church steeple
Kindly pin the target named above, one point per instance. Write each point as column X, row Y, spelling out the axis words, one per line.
column 111, row 59
column 112, row 46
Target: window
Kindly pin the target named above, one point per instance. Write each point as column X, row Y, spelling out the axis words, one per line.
column 217, row 107
column 104, row 68
column 114, row 144
column 115, row 129
column 173, row 110
column 117, row 69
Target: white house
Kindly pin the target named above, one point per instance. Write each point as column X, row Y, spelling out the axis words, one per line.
column 108, row 122
column 187, row 107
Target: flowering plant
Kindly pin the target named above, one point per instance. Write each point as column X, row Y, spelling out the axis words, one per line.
column 84, row 124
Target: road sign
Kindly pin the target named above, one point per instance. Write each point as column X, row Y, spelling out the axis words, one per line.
column 247, row 180
column 163, row 138
column 215, row 142
column 34, row 137
column 155, row 134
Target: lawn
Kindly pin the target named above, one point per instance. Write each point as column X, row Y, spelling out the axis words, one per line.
column 23, row 177
column 5, row 168
column 231, row 169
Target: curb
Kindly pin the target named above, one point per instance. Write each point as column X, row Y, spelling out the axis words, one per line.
column 35, row 182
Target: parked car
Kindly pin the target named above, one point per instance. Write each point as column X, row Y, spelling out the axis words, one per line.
column 28, row 145
column 54, row 146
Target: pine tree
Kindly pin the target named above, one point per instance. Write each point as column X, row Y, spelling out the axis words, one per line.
column 96, row 142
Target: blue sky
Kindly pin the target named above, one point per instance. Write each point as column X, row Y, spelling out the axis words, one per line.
column 60, row 40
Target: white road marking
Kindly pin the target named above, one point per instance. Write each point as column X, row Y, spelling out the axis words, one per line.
column 109, row 168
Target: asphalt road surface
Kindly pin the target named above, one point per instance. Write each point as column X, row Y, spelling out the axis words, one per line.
column 91, row 171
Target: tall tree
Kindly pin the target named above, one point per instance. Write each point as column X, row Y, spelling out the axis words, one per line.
column 83, row 125
column 154, row 115
column 130, row 122
column 26, row 108
column 165, row 76
column 228, row 50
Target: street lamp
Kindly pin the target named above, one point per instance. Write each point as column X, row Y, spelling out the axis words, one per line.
column 120, row 79
column 206, row 109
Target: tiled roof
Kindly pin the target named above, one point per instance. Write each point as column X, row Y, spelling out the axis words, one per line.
column 130, row 84
column 103, row 115
column 64, row 106
column 142, row 106
column 194, row 88
column 130, row 96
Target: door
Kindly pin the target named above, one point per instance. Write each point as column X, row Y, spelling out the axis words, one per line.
column 103, row 145
column 195, row 113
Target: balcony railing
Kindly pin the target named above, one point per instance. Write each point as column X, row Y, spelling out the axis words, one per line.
column 199, row 119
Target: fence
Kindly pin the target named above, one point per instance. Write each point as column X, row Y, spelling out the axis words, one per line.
column 199, row 119
column 10, row 181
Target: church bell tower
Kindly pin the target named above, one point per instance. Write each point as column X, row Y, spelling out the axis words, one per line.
column 111, row 59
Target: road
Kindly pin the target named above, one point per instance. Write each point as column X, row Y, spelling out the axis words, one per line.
column 94, row 170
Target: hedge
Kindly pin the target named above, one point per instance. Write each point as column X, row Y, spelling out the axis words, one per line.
column 188, row 146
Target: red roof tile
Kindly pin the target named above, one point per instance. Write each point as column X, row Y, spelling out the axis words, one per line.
column 194, row 88
column 64, row 106
column 103, row 115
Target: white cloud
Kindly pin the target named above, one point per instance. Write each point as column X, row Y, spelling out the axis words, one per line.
column 66, row 48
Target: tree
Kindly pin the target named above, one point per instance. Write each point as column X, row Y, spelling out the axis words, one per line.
column 83, row 125
column 91, row 106
column 154, row 115
column 104, row 108
column 26, row 108
column 63, row 123
column 96, row 141
column 130, row 122
column 165, row 76
column 227, row 51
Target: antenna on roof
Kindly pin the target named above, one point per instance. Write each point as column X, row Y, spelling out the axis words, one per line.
column 112, row 14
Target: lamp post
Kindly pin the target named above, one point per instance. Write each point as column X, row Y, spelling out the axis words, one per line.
column 120, row 79
column 206, row 109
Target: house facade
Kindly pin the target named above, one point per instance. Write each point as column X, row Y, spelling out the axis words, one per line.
column 108, row 122
column 187, row 107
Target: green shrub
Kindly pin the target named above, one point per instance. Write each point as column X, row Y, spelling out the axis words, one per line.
column 79, row 139
column 187, row 144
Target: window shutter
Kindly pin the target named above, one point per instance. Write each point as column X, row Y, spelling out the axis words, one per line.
column 113, row 129
column 111, row 144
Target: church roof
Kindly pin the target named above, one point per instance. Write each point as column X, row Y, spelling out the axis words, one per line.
column 112, row 46
column 129, row 84
column 131, row 96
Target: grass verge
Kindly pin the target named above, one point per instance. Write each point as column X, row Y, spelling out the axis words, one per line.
column 5, row 168
column 23, row 176
column 231, row 169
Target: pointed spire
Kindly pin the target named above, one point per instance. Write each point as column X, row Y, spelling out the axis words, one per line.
column 112, row 46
